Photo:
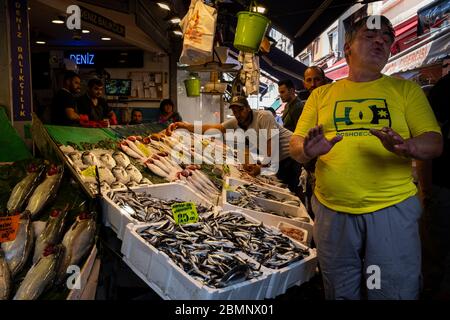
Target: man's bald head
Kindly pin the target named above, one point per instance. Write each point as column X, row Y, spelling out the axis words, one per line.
column 314, row 77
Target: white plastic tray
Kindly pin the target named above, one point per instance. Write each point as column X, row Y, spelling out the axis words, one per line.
column 117, row 218
column 268, row 218
column 304, row 239
column 171, row 282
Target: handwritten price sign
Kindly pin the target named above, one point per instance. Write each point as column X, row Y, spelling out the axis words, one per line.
column 8, row 228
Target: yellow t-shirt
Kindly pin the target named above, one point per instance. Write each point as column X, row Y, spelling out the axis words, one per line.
column 359, row 175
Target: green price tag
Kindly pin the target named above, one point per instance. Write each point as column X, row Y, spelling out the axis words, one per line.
column 184, row 212
column 89, row 172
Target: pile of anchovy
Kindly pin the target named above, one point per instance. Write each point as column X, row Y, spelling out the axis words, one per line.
column 209, row 249
column 145, row 208
column 246, row 200
column 248, row 189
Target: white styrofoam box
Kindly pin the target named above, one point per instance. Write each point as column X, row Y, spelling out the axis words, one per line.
column 271, row 219
column 281, row 193
column 171, row 282
column 273, row 205
column 304, row 239
column 268, row 218
column 235, row 180
column 294, row 274
column 117, row 218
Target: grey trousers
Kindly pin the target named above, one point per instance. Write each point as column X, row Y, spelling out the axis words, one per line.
column 375, row 255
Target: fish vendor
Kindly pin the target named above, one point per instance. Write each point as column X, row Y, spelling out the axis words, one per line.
column 365, row 130
column 246, row 119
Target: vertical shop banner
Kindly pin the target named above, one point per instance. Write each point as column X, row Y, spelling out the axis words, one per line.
column 20, row 60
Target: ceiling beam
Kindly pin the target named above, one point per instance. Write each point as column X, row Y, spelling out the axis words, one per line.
column 313, row 18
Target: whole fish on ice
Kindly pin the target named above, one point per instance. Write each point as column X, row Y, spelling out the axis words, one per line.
column 52, row 233
column 41, row 275
column 77, row 241
column 24, row 189
column 45, row 190
column 5, row 277
column 18, row 250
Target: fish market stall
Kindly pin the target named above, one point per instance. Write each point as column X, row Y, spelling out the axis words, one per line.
column 55, row 229
column 250, row 238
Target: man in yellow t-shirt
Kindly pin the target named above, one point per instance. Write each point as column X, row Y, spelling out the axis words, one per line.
column 365, row 130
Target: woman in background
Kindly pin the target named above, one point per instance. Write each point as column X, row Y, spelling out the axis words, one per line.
column 168, row 114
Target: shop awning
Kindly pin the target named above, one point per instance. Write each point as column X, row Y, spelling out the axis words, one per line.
column 338, row 70
column 427, row 52
column 303, row 21
column 283, row 66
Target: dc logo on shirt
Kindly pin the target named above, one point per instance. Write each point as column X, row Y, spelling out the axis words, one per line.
column 363, row 114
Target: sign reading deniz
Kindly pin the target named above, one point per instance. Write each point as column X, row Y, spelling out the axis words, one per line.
column 83, row 58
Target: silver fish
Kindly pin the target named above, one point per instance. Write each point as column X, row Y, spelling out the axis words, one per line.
column 106, row 175
column 66, row 149
column 41, row 275
column 5, row 277
column 134, row 173
column 104, row 187
column 89, row 158
column 121, row 159
column 121, row 174
column 77, row 241
column 18, row 250
column 132, row 184
column 45, row 191
column 75, row 156
column 24, row 189
column 108, row 161
column 145, row 181
column 118, row 185
column 52, row 233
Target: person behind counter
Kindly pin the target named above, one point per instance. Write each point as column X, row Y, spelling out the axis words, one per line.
column 95, row 106
column 136, row 116
column 259, row 120
column 64, row 110
column 167, row 113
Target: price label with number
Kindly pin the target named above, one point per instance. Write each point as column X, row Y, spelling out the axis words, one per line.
column 8, row 228
column 184, row 212
column 89, row 172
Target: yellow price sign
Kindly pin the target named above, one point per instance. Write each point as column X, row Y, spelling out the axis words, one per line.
column 144, row 149
column 89, row 172
column 184, row 212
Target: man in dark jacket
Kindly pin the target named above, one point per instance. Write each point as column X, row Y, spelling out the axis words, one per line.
column 94, row 105
column 294, row 106
column 64, row 110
